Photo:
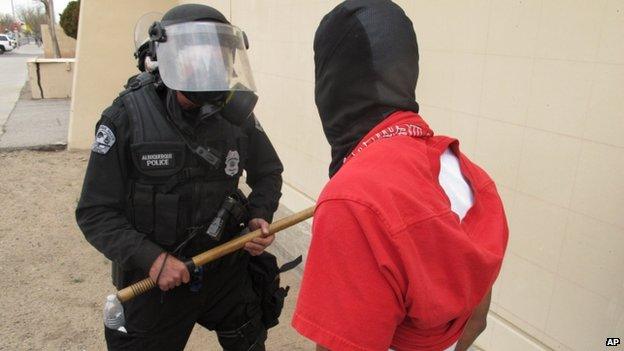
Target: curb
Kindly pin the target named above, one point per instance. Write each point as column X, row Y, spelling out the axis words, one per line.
column 44, row 148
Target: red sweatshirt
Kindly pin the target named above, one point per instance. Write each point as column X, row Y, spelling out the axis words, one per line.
column 390, row 265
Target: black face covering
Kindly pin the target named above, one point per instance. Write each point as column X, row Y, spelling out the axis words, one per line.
column 366, row 62
column 235, row 106
column 208, row 97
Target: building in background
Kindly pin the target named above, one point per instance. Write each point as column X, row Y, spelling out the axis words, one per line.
column 534, row 90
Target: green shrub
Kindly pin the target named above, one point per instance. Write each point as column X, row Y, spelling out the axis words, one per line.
column 69, row 18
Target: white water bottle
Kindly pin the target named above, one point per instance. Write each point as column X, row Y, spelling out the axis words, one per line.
column 114, row 314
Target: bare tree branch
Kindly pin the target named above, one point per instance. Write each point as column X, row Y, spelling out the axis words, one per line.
column 6, row 21
column 45, row 4
column 33, row 17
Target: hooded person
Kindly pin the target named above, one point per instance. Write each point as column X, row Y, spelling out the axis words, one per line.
column 408, row 234
column 165, row 164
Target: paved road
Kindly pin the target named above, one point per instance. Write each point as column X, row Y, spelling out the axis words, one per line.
column 13, row 75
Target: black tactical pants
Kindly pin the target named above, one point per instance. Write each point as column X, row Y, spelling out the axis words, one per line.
column 226, row 303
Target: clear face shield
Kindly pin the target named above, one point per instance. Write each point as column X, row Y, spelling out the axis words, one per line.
column 203, row 57
column 141, row 28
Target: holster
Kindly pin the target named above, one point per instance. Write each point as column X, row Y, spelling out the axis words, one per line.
column 265, row 278
column 232, row 217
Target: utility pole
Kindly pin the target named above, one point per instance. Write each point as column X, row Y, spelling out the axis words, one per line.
column 15, row 20
column 52, row 26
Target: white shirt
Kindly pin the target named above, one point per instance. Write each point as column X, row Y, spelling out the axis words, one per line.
column 454, row 184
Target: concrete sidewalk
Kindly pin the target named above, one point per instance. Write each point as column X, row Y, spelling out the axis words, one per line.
column 26, row 123
column 36, row 124
column 14, row 75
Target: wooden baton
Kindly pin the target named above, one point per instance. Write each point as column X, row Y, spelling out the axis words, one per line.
column 140, row 287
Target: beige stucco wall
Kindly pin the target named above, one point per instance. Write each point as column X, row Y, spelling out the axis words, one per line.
column 281, row 36
column 67, row 44
column 104, row 59
column 534, row 90
column 53, row 78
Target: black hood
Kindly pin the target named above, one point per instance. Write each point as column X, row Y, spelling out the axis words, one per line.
column 366, row 67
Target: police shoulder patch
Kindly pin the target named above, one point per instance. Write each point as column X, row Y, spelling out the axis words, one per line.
column 104, row 140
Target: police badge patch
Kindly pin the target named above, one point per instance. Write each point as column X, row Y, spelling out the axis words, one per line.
column 231, row 163
column 104, row 139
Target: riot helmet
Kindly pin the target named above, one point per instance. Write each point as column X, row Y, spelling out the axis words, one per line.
column 199, row 53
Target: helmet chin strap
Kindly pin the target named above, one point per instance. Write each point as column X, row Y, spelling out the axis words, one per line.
column 208, row 110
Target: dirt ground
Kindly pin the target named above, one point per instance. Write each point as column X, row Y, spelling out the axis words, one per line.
column 53, row 283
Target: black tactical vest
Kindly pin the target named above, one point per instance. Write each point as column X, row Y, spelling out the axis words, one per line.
column 173, row 189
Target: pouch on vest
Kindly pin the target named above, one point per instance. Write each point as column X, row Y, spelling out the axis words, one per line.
column 231, row 217
column 265, row 279
column 166, row 218
column 143, row 207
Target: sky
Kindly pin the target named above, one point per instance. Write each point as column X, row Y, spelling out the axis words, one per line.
column 5, row 5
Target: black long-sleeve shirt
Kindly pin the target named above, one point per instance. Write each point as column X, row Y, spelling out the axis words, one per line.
column 101, row 211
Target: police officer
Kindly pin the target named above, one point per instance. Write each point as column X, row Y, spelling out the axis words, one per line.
column 167, row 153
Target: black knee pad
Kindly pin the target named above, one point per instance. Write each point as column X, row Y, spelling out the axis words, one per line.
column 248, row 337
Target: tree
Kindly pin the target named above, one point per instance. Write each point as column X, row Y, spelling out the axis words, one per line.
column 6, row 21
column 33, row 17
column 70, row 17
